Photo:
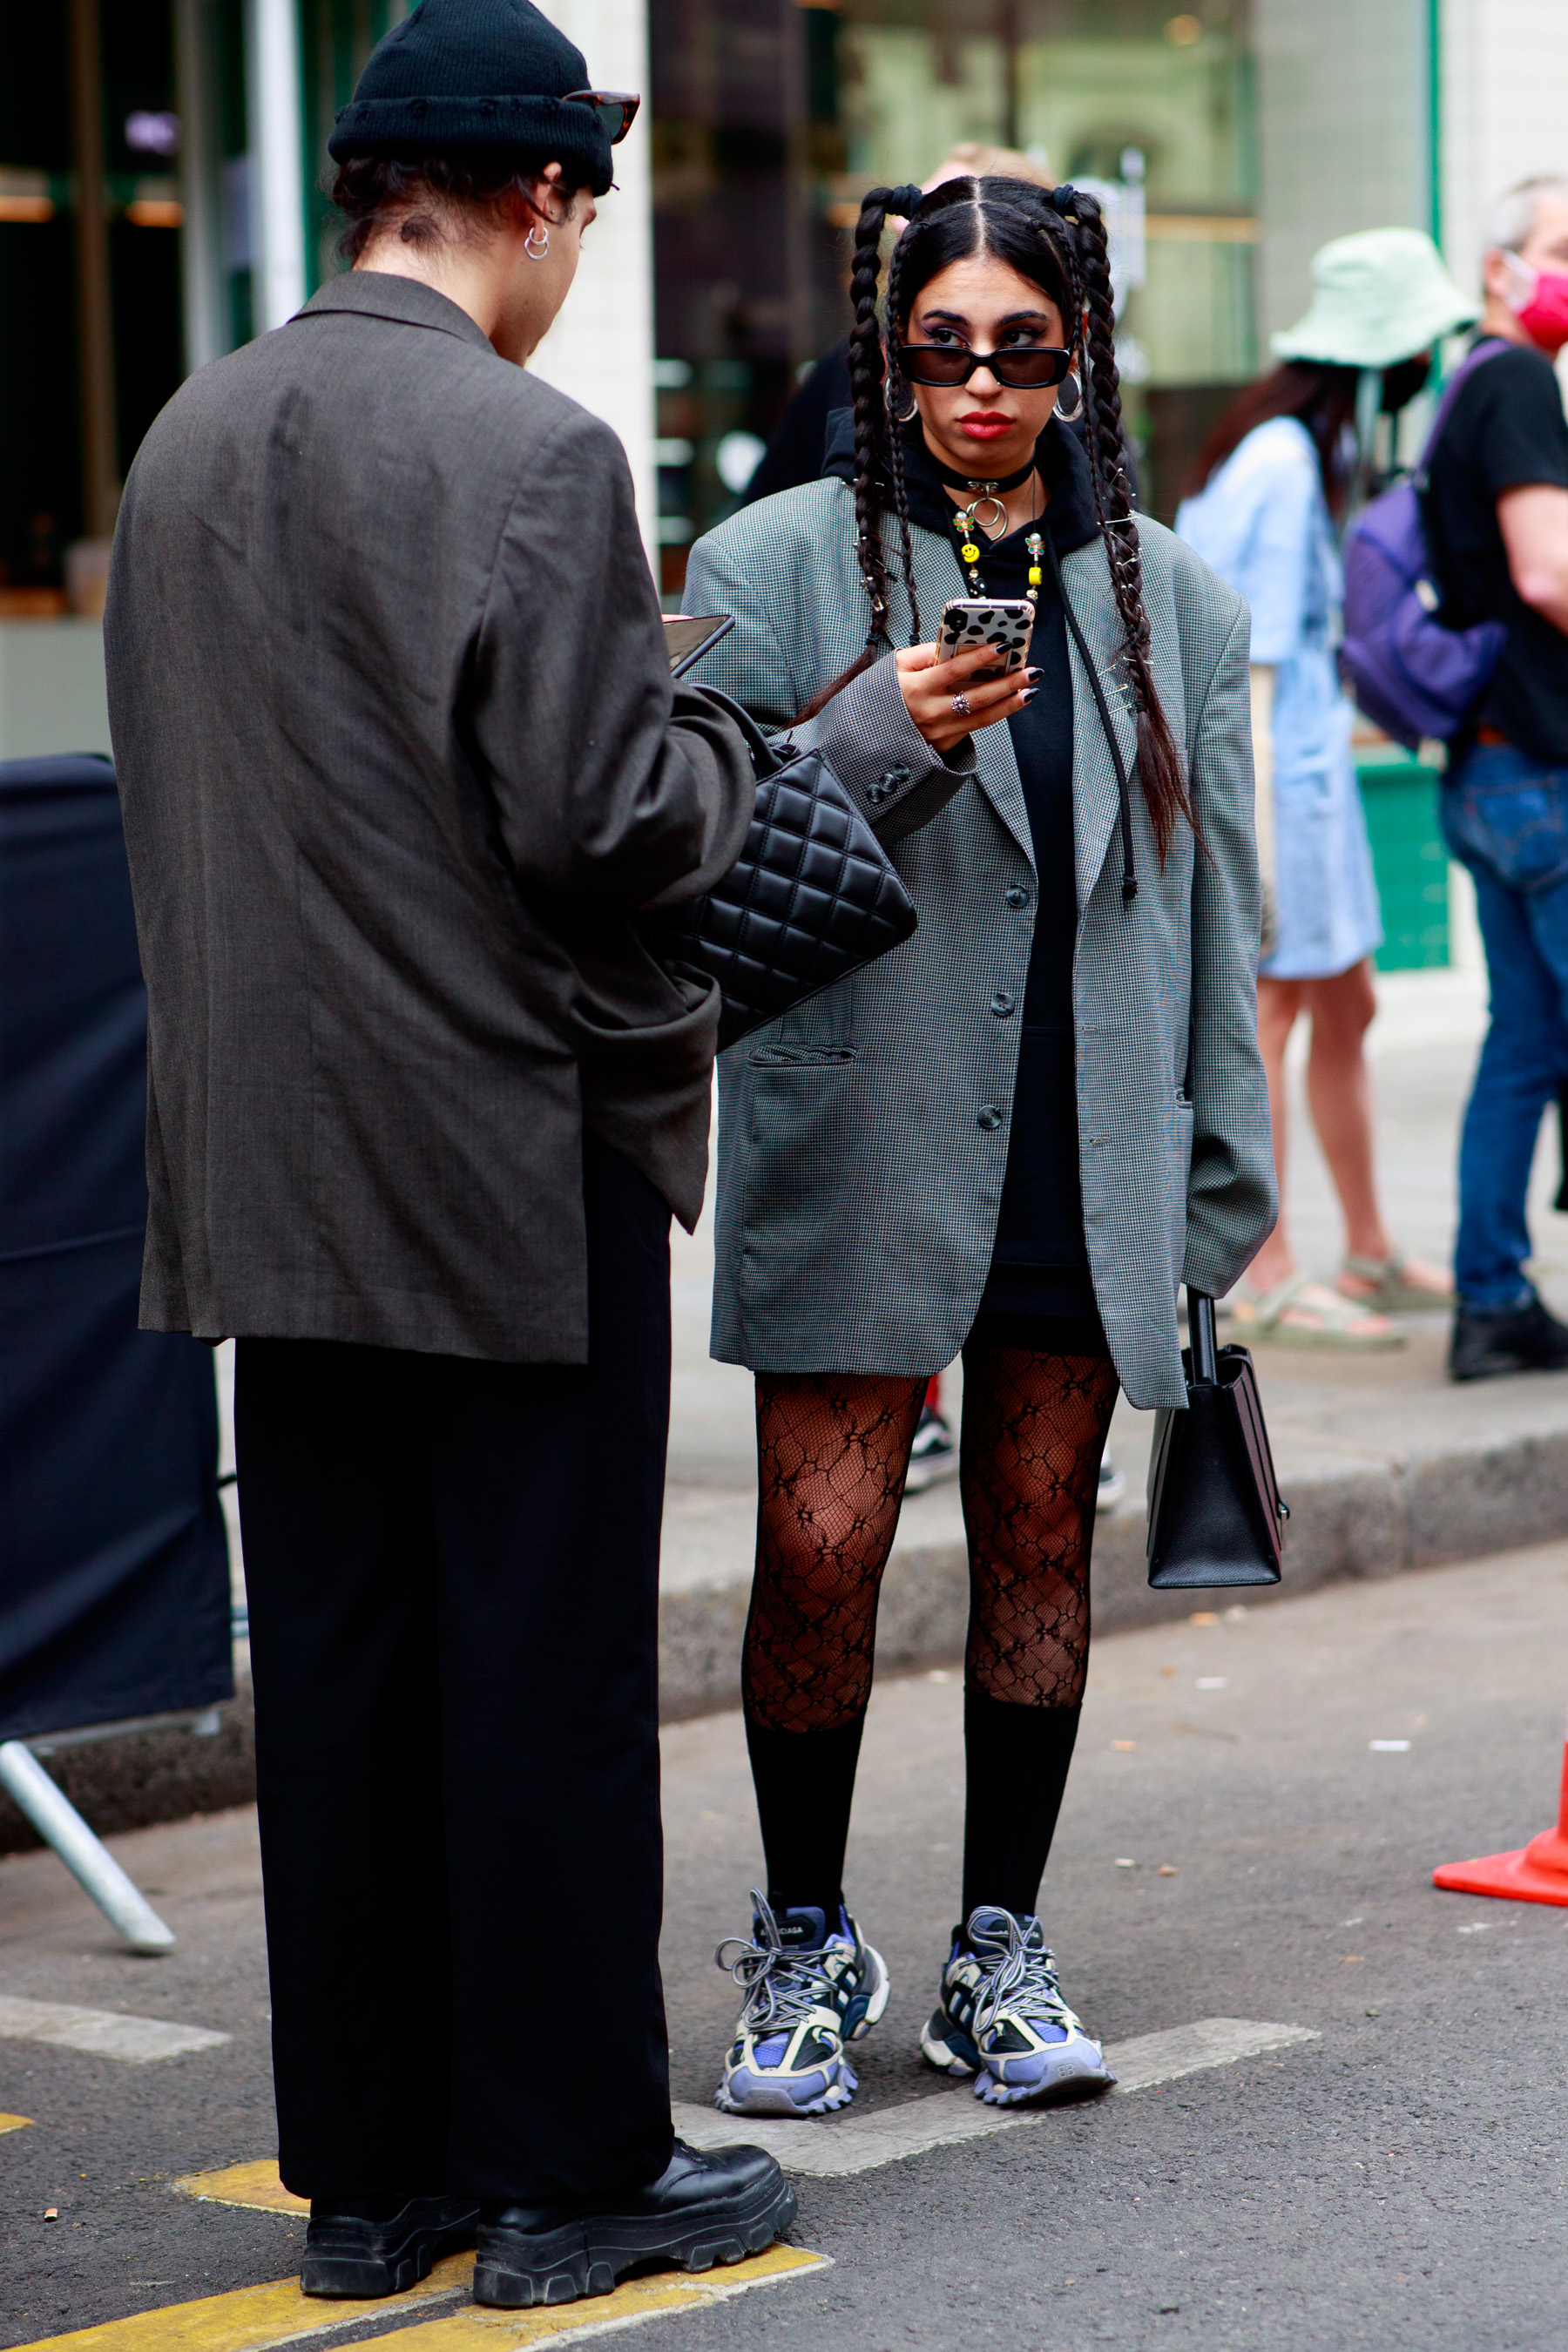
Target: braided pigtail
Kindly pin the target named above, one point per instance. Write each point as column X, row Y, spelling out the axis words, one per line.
column 897, row 391
column 1094, row 321
column 866, row 385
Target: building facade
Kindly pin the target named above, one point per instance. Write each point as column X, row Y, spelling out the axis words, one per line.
column 160, row 200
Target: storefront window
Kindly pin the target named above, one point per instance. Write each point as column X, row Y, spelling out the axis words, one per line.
column 336, row 38
column 90, row 276
column 772, row 119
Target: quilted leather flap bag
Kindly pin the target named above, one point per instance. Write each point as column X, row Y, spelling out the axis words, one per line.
column 1215, row 1516
column 812, row 898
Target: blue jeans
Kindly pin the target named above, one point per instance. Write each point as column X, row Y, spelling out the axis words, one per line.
column 1506, row 818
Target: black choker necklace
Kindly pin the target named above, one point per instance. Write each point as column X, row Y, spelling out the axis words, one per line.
column 979, row 483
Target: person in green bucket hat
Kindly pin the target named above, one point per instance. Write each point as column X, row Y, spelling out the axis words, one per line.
column 1266, row 490
column 1379, row 299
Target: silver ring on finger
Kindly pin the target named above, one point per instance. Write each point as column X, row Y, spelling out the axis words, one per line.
column 961, row 705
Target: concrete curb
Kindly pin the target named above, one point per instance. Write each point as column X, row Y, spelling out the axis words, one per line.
column 1454, row 1502
column 160, row 1775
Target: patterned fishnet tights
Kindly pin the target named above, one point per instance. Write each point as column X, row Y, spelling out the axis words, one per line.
column 832, row 1450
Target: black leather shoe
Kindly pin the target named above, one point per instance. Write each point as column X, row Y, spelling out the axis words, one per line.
column 705, row 2208
column 355, row 2247
column 1488, row 1342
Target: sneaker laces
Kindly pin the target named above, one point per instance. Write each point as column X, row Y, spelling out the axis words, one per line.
column 781, row 1985
column 1023, row 1977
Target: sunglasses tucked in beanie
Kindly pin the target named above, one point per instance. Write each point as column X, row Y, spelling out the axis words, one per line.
column 461, row 77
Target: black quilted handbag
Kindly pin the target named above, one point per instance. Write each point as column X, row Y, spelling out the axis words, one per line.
column 813, row 896
column 1215, row 1514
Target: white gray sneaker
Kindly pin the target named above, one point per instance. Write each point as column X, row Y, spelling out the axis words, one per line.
column 1001, row 2017
column 933, row 1454
column 809, row 1991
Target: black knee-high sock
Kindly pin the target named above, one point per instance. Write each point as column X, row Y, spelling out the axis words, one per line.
column 1017, row 1760
column 806, row 1784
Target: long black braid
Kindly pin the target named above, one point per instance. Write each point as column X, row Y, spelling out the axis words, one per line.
column 1058, row 240
column 1159, row 761
column 866, row 375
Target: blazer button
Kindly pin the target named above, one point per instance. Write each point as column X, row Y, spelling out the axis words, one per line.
column 989, row 1119
column 1002, row 1004
column 1015, row 895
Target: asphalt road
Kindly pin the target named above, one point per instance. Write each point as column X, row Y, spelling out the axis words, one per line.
column 1400, row 2180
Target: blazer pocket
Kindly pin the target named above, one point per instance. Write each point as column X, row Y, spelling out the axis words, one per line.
column 804, row 1126
column 819, row 1033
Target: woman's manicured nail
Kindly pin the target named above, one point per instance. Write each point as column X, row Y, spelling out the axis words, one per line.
column 1033, row 676
column 1028, row 694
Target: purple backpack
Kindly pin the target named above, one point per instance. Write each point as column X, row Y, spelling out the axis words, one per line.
column 1410, row 675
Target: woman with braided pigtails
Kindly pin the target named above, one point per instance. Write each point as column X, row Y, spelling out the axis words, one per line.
column 1013, row 1137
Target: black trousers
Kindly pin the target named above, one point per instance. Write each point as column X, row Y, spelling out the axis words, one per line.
column 453, row 1573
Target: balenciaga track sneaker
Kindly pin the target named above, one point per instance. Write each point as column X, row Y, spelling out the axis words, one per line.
column 1002, row 2018
column 809, row 1991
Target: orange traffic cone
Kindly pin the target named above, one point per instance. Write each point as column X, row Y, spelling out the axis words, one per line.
column 1537, row 1872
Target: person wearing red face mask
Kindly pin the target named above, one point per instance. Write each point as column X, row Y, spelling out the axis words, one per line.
column 1497, row 520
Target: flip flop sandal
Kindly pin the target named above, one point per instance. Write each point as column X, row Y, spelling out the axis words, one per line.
column 1266, row 1316
column 1391, row 1294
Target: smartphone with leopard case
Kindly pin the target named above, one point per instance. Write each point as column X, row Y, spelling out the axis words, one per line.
column 970, row 622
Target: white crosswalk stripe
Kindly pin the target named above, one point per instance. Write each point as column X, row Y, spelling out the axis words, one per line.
column 858, row 2143
column 103, row 2031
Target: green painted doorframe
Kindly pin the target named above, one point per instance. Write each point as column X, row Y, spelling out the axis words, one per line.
column 1435, row 114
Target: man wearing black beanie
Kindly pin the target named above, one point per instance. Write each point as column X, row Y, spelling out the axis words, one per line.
column 401, row 764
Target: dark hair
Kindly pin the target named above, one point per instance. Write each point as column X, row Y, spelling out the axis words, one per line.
column 418, row 196
column 1320, row 395
column 1057, row 240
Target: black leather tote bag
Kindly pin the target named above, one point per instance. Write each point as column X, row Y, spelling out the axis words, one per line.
column 813, row 896
column 1215, row 1516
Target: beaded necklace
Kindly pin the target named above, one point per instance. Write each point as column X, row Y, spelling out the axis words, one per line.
column 964, row 524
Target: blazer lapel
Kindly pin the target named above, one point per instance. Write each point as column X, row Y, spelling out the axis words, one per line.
column 1086, row 576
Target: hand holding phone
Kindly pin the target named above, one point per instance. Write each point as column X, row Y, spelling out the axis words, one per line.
column 948, row 700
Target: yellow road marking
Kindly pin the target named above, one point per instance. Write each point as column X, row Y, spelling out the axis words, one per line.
column 245, row 2184
column 249, row 2319
column 477, row 2330
column 257, row 2318
column 15, row 2123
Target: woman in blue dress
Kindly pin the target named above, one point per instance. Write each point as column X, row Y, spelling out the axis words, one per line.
column 1267, row 488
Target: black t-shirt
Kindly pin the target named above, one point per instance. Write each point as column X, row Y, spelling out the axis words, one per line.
column 1505, row 429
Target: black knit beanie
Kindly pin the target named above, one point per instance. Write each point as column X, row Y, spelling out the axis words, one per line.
column 459, row 77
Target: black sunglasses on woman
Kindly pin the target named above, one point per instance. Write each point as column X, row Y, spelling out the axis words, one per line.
column 1029, row 368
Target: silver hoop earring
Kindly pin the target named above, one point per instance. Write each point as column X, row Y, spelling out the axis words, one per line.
column 537, row 251
column 1071, row 415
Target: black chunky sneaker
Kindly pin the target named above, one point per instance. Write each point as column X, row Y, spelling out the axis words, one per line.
column 1488, row 1342
column 710, row 2207
column 366, row 2246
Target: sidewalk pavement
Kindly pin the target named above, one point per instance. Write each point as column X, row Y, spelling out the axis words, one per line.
column 1386, row 1464
column 1340, row 2119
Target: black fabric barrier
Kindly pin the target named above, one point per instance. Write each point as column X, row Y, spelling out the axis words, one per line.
column 114, row 1596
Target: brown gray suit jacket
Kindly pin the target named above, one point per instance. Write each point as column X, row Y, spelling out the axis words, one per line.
column 401, row 760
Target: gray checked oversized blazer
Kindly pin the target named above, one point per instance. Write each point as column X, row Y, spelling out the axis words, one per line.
column 863, row 1138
